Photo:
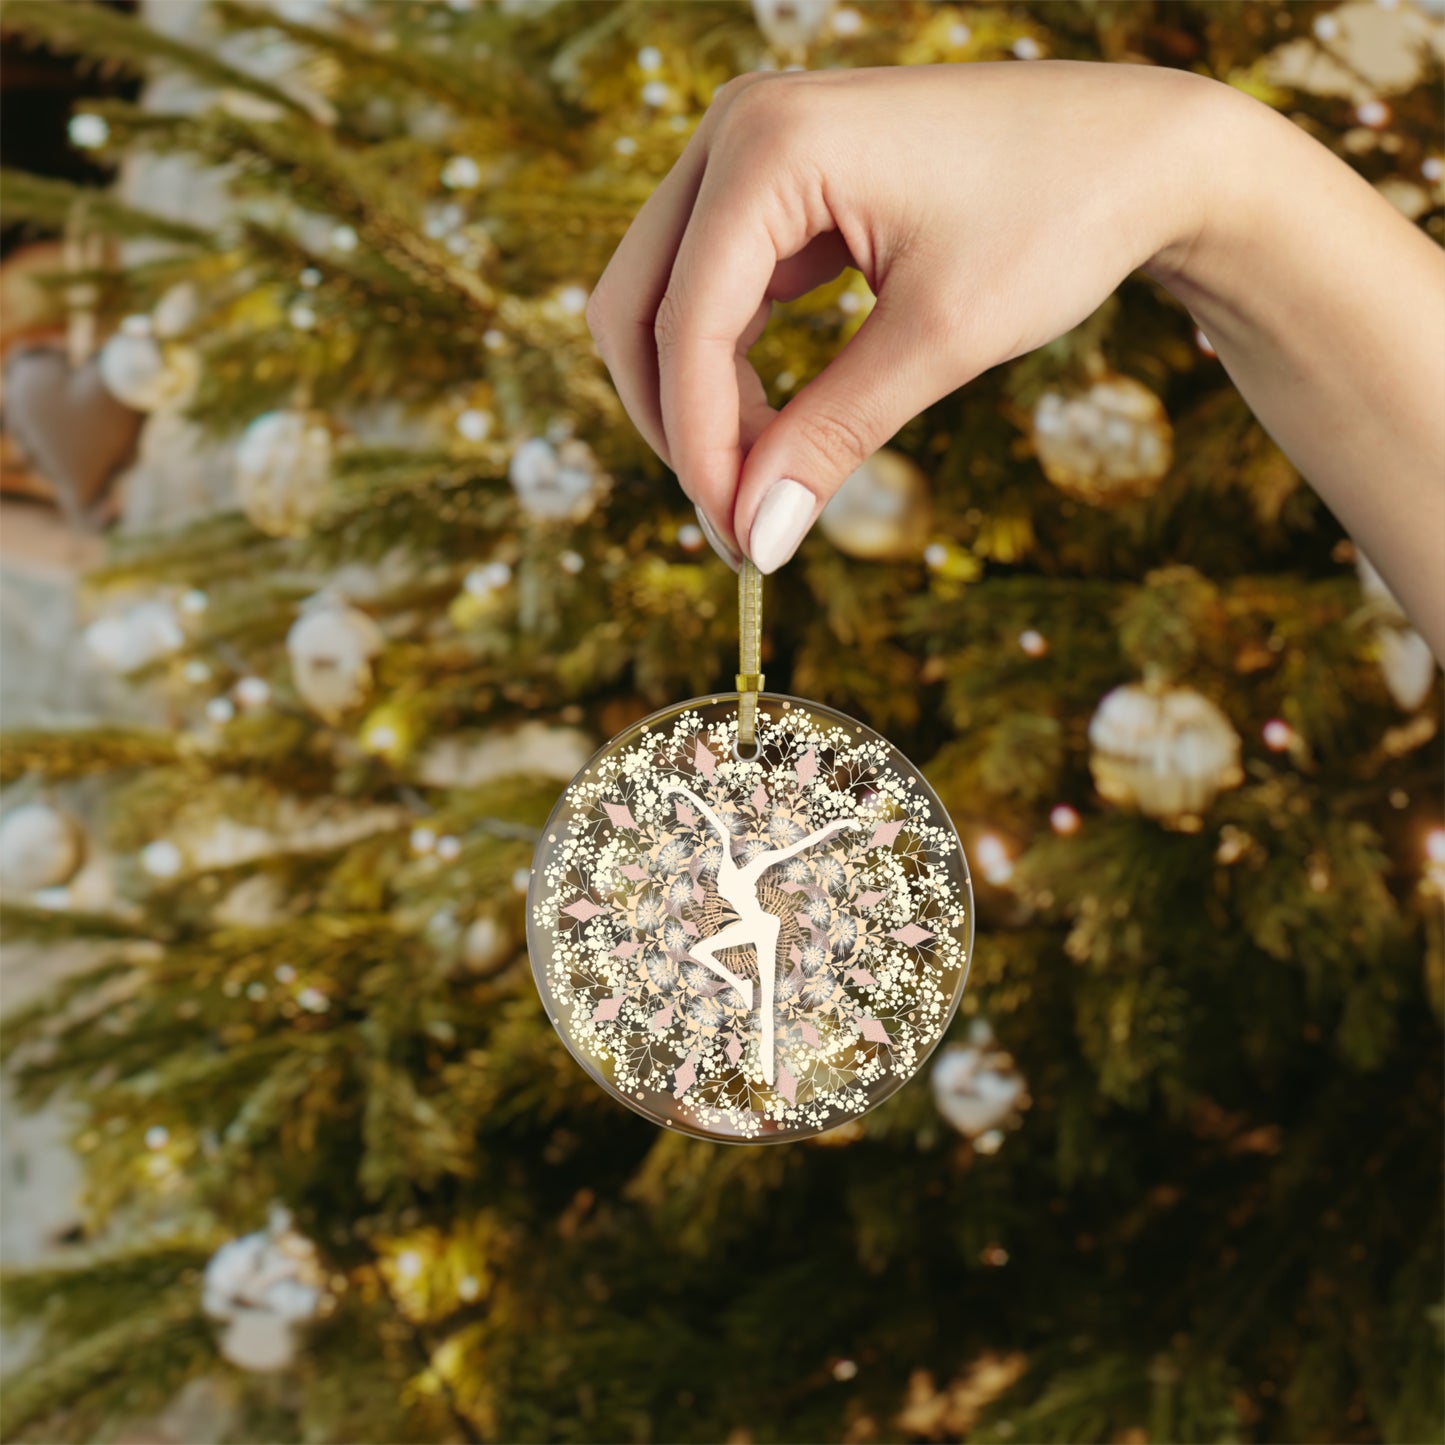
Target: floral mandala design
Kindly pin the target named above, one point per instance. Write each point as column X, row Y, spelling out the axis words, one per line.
column 772, row 985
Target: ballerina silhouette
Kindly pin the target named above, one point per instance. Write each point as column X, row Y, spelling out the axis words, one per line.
column 737, row 885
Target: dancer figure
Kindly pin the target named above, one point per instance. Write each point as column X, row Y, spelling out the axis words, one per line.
column 738, row 886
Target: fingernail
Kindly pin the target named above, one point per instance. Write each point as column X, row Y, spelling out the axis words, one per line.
column 781, row 524
column 716, row 542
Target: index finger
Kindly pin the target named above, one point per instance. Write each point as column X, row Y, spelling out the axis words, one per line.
column 718, row 288
column 623, row 307
column 624, row 302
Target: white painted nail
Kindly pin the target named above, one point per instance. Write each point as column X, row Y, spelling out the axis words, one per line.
column 716, row 542
column 781, row 524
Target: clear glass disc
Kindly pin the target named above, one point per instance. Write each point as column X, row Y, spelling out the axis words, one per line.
column 772, row 983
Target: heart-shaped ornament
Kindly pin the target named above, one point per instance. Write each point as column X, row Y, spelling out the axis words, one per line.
column 77, row 435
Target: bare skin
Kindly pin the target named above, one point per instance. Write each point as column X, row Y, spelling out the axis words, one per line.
column 990, row 209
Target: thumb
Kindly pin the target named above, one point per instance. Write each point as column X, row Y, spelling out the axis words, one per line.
column 899, row 362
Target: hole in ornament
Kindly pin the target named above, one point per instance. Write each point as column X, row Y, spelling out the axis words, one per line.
column 743, row 757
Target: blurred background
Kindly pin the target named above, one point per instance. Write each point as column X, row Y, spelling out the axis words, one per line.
column 328, row 556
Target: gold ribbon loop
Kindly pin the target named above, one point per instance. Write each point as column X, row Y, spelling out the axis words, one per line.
column 750, row 652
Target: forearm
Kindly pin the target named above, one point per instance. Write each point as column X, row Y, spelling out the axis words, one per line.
column 1327, row 308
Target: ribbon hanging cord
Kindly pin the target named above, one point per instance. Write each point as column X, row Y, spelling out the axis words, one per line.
column 750, row 653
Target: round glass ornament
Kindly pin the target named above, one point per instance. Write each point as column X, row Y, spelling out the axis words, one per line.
column 750, row 946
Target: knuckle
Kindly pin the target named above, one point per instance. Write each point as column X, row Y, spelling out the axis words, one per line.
column 598, row 316
column 729, row 90
column 761, row 115
column 840, row 441
column 667, row 325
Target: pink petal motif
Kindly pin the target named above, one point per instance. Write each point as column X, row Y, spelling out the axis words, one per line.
column 636, row 872
column 609, row 1008
column 685, row 815
column 760, row 797
column 807, row 768
column 789, row 886
column 625, row 950
column 787, row 1084
column 809, row 1033
column 620, row 814
column 583, row 909
column 862, row 977
column 662, row 1017
column 912, row 934
column 684, row 1076
column 885, row 834
column 703, row 760
column 868, row 899
column 691, row 929
column 699, row 893
column 795, row 954
column 873, row 1029
column 734, row 1050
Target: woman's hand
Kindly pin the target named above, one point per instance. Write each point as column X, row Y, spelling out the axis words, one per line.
column 991, row 208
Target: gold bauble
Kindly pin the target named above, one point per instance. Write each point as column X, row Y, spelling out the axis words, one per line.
column 487, row 944
column 283, row 470
column 148, row 374
column 331, row 647
column 791, row 26
column 882, row 512
column 1166, row 751
column 40, row 847
column 1405, row 658
column 1109, row 443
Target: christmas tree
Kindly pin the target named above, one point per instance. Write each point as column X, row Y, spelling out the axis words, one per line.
column 1175, row 1176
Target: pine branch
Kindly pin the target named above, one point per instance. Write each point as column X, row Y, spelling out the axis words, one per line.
column 60, row 925
column 521, row 110
column 317, row 172
column 83, row 752
column 53, row 204
column 129, row 1356
column 114, row 40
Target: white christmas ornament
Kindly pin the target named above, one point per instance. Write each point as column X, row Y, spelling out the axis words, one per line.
column 976, row 1086
column 142, row 634
column 792, row 25
column 554, row 482
column 40, row 847
column 1405, row 657
column 331, row 647
column 1166, row 751
column 147, row 374
column 882, row 512
column 1110, row 443
column 262, row 1287
column 283, row 470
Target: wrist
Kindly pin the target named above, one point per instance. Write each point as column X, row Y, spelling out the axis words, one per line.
column 1215, row 143
column 1218, row 243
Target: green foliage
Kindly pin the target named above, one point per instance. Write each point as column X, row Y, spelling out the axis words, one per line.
column 52, row 204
